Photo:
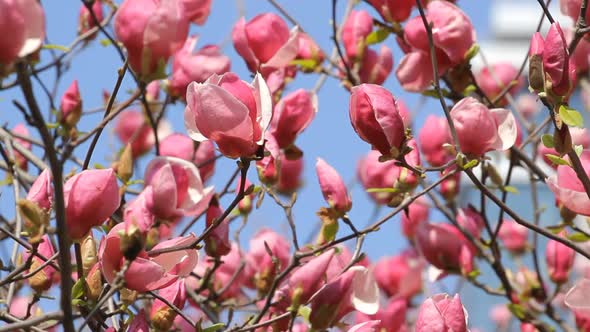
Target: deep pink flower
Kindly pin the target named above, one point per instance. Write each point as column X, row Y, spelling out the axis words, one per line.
column 147, row 273
column 333, row 188
column 197, row 11
column 91, row 197
column 392, row 318
column 290, row 172
column 568, row 189
column 86, row 21
column 181, row 146
column 560, row 260
column 494, row 79
column 441, row 313
column 260, row 268
column 445, row 247
column 480, row 129
column 177, row 189
column 132, row 127
column 400, row 275
column 265, row 41
column 432, row 137
column 41, row 192
column 471, row 220
column 514, row 236
column 230, row 112
column 21, row 130
column 138, row 215
column 198, row 67
column 417, row 213
column 309, row 50
column 71, row 106
column 355, row 30
column 25, row 19
column 571, row 8
column 394, row 10
column 151, row 31
column 376, row 67
column 217, row 242
column 376, row 119
column 292, row 115
column 453, row 35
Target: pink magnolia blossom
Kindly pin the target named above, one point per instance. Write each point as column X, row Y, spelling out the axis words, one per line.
column 581, row 55
column 25, row 19
column 445, row 247
column 177, row 188
column 138, row 215
column 376, row 119
column 441, row 313
column 21, row 130
column 392, row 318
column 374, row 174
column 480, row 129
column 86, row 21
column 183, row 147
column 394, row 10
column 151, row 31
column 309, row 50
column 41, row 192
column 161, row 315
column 43, row 279
column 91, row 197
column 494, row 79
column 577, row 297
column 230, row 112
column 260, row 267
column 333, row 187
column 560, row 260
column 217, row 242
column 152, row 91
column 417, row 213
column 198, row 67
column 571, row 8
column 132, row 127
column 197, row 11
column 139, row 323
column 292, row 115
column 514, row 236
column 432, row 137
column 147, row 273
column 471, row 220
column 290, row 172
column 528, row 105
column 268, row 166
column 265, row 41
column 307, row 279
column 368, row 326
column 500, row 315
column 376, row 67
column 355, row 30
column 355, row 289
column 453, row 35
column 71, row 106
column 226, row 273
column 568, row 189
column 400, row 275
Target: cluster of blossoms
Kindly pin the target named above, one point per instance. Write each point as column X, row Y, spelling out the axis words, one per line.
column 131, row 234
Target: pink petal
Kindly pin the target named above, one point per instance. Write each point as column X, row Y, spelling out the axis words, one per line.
column 287, row 52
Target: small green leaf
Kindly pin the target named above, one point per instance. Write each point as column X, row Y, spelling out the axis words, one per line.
column 473, row 274
column 557, row 160
column 105, row 42
column 578, row 149
column 547, row 140
column 51, row 125
column 304, row 312
column 510, row 189
column 555, row 229
column 377, row 36
column 99, row 166
column 469, row 89
column 214, row 327
column 471, row 164
column 56, row 47
column 471, row 52
column 518, row 310
column 305, row 63
column 578, row 237
column 78, row 289
column 571, row 117
column 381, row 190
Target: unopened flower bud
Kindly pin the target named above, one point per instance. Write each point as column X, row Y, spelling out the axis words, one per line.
column 94, row 283
column 89, row 253
column 35, row 219
column 125, row 164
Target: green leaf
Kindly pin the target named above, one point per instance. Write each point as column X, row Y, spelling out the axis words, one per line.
column 304, row 312
column 78, row 289
column 578, row 237
column 547, row 140
column 105, row 42
column 518, row 310
column 305, row 63
column 578, row 149
column 381, row 190
column 99, row 166
column 469, row 89
column 556, row 228
column 510, row 189
column 557, row 160
column 571, row 117
column 471, row 164
column 471, row 52
column 214, row 327
column 473, row 274
column 51, row 125
column 377, row 36
column 56, row 47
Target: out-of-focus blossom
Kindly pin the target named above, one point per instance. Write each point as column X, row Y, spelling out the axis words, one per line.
column 400, row 275
column 442, row 313
column 494, row 79
column 25, row 20
column 568, row 189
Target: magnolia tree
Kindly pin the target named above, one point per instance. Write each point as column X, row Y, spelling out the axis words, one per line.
column 152, row 239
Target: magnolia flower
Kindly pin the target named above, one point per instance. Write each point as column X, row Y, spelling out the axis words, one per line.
column 568, row 189
column 23, row 24
column 442, row 313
